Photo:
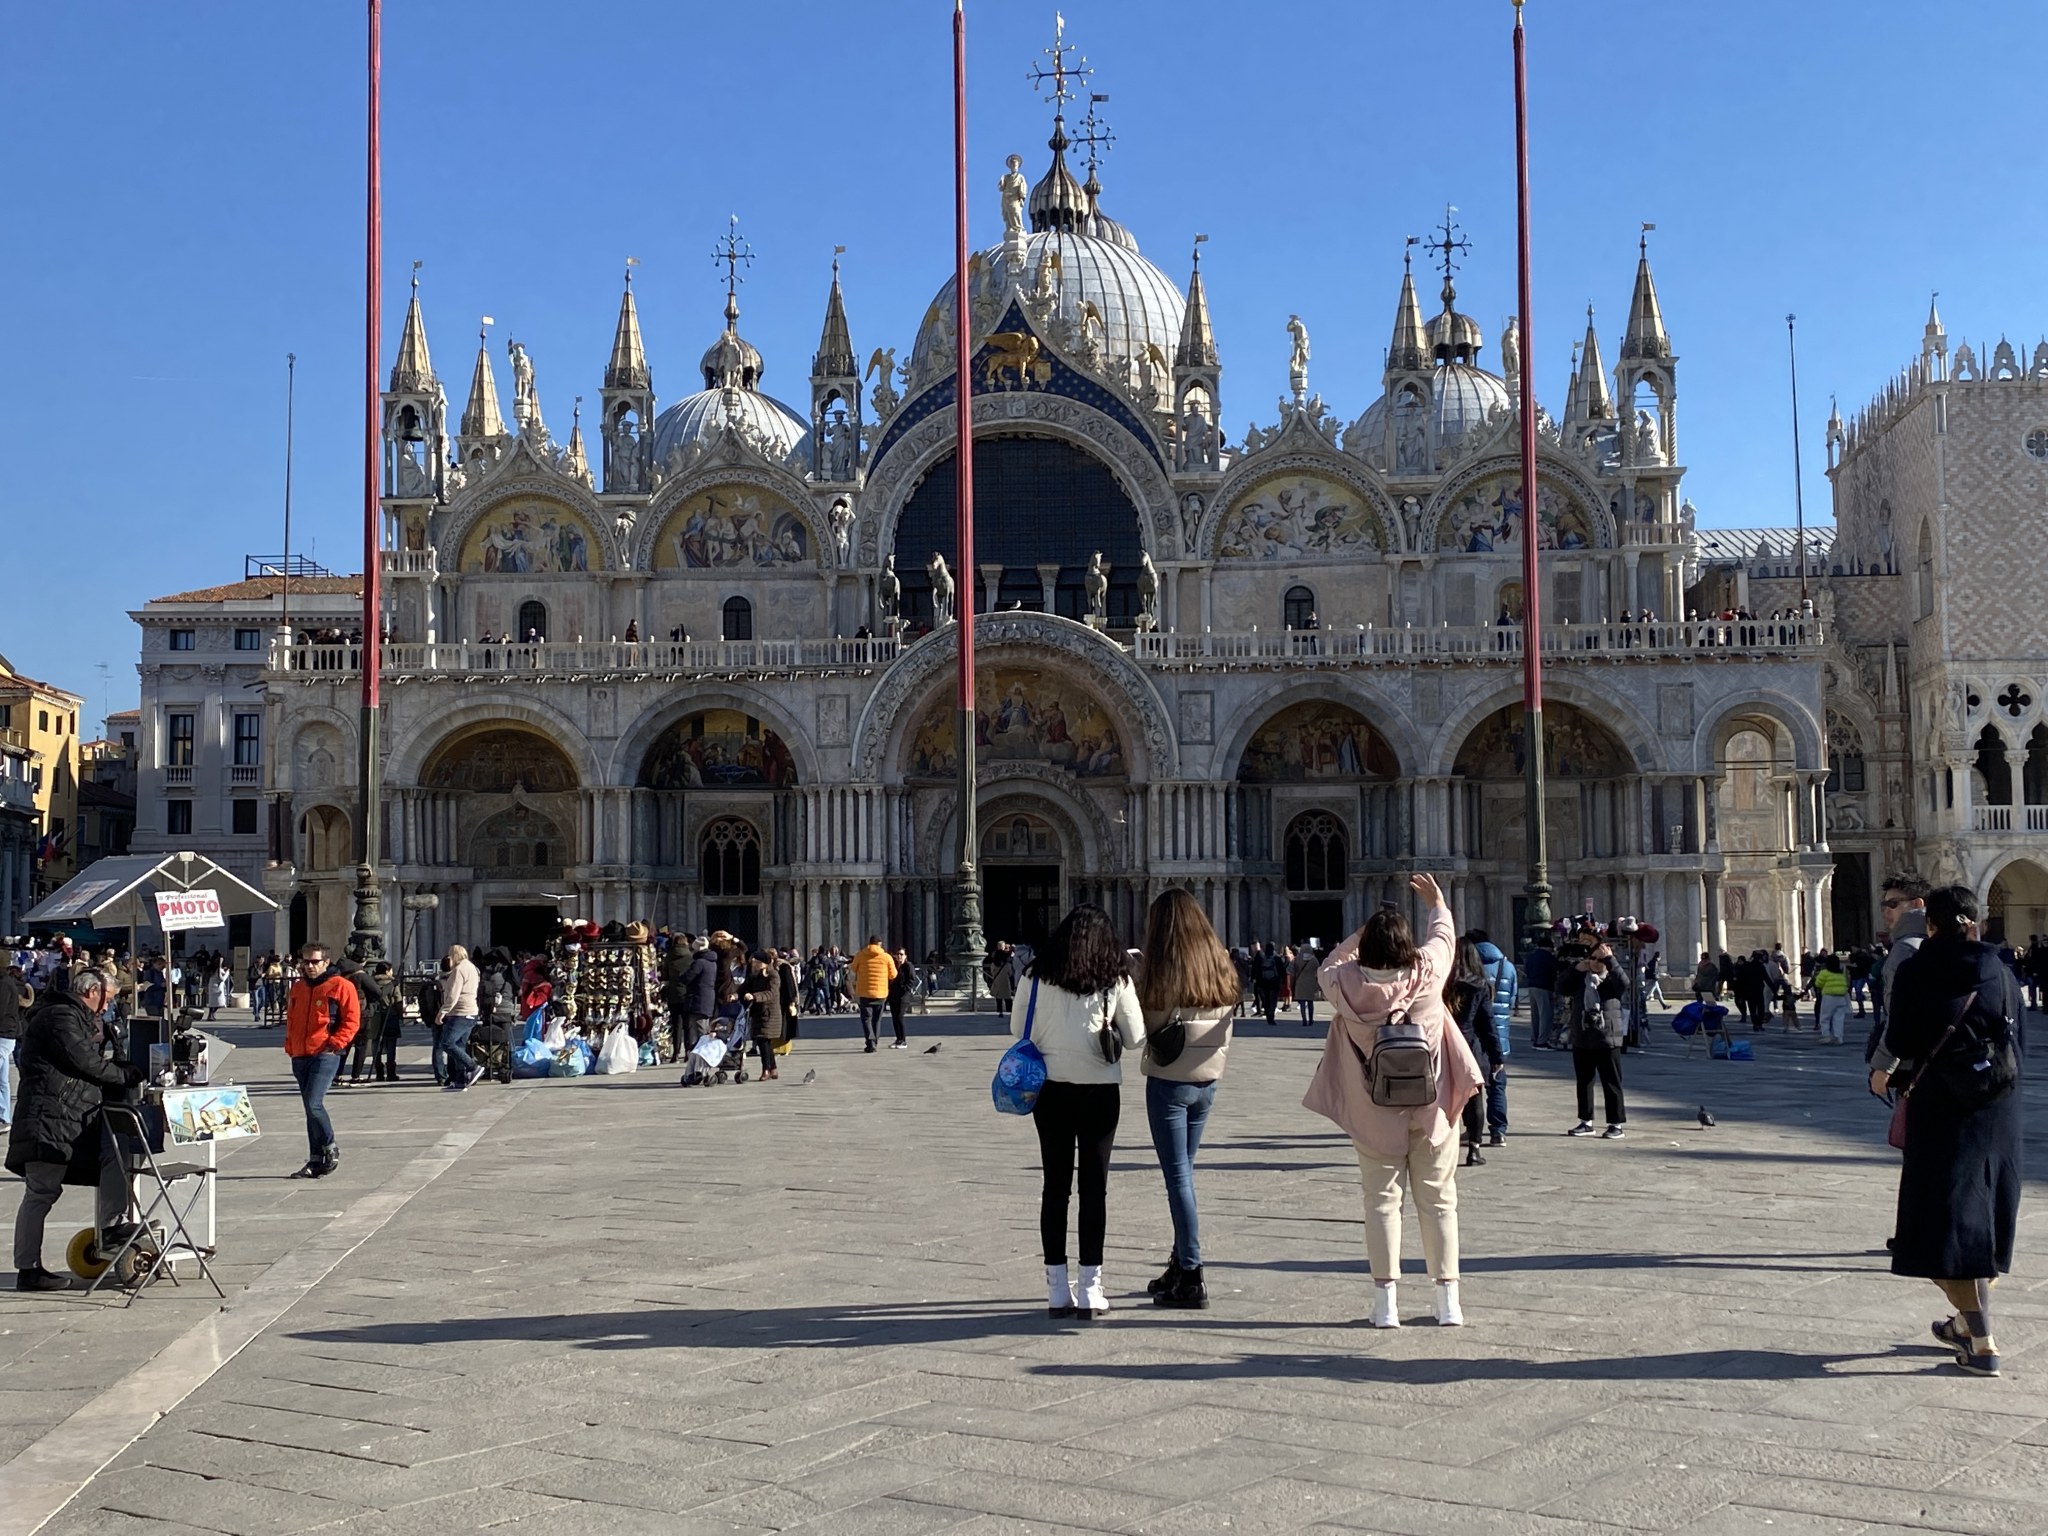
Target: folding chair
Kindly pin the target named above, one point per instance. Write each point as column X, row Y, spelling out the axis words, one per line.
column 156, row 1183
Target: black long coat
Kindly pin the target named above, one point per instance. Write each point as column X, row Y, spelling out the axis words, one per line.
column 1959, row 1188
column 63, row 1082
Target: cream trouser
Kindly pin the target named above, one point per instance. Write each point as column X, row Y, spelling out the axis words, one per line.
column 1432, row 1173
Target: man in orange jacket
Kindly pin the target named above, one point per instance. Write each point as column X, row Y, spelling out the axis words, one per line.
column 873, row 970
column 321, row 1017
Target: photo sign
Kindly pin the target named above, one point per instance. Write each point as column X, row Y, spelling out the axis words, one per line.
column 177, row 911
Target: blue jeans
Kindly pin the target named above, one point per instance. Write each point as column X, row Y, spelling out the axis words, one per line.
column 454, row 1042
column 439, row 1053
column 1541, row 1005
column 6, row 1081
column 1497, row 1090
column 315, row 1076
column 1177, row 1112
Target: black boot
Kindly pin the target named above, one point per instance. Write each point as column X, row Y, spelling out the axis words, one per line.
column 40, row 1279
column 1186, row 1291
column 1167, row 1277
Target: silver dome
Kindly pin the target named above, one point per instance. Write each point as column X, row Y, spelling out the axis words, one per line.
column 1461, row 398
column 1139, row 304
column 702, row 415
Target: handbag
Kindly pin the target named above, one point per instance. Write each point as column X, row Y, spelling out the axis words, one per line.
column 1020, row 1075
column 1107, row 1036
column 1164, row 1044
column 1895, row 1134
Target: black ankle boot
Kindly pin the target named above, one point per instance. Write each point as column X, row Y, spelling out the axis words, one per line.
column 1187, row 1291
column 1167, row 1277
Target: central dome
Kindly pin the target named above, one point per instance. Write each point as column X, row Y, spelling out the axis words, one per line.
column 1461, row 398
column 1139, row 304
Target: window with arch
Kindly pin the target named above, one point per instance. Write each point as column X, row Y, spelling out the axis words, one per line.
column 533, row 620
column 1317, row 854
column 738, row 621
column 729, row 859
column 1845, row 770
column 1995, row 767
column 1298, row 608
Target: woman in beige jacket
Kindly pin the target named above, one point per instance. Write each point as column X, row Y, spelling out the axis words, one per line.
column 1377, row 972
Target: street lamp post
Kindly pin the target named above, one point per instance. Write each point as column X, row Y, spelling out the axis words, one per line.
column 366, row 938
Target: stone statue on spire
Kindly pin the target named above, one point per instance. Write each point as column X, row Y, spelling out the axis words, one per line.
column 525, row 397
column 1016, row 191
column 1297, row 362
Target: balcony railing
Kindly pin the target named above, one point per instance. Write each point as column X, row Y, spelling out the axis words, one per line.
column 2009, row 818
column 11, row 737
column 245, row 773
column 17, row 794
column 178, row 778
column 1652, row 533
column 601, row 658
column 1482, row 642
column 409, row 562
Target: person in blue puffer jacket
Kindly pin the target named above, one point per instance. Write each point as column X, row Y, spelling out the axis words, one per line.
column 1506, row 986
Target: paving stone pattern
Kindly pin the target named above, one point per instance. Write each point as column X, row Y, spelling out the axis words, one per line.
column 817, row 1307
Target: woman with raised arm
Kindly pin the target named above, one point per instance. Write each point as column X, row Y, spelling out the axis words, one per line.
column 1395, row 1080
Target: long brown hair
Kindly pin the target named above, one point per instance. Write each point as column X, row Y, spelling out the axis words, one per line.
column 1185, row 965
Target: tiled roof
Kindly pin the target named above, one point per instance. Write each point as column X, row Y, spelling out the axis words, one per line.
column 10, row 676
column 1727, row 545
column 259, row 588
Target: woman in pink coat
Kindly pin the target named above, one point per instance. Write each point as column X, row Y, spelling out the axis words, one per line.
column 1377, row 972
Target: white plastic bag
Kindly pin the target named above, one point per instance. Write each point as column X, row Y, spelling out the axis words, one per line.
column 619, row 1053
column 554, row 1039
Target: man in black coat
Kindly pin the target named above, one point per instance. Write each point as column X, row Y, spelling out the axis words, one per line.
column 15, row 997
column 700, row 995
column 56, row 1138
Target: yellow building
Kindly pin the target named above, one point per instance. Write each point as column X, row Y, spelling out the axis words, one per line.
column 44, row 719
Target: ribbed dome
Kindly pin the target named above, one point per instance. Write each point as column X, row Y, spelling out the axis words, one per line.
column 1461, row 396
column 702, row 415
column 1138, row 302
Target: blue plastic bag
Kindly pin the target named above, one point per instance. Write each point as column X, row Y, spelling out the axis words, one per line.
column 1020, row 1075
column 532, row 1058
column 572, row 1060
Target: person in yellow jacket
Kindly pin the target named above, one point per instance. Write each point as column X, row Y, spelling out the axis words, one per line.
column 873, row 970
column 1831, row 986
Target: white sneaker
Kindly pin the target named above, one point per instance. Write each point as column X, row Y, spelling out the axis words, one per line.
column 1059, row 1299
column 1583, row 1128
column 1448, row 1313
column 1386, row 1312
column 1090, row 1299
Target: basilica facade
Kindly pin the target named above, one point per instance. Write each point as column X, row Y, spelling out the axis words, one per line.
column 697, row 665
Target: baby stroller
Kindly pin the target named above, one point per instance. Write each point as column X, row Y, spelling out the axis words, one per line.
column 719, row 1056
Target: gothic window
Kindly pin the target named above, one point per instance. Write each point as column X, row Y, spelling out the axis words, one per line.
column 739, row 619
column 533, row 620
column 1298, row 607
column 1316, row 854
column 729, row 859
column 1845, row 771
column 1996, row 770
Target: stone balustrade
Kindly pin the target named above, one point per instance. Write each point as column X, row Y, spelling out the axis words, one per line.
column 1717, row 638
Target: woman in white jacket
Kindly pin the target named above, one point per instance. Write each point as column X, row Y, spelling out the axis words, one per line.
column 1083, row 1013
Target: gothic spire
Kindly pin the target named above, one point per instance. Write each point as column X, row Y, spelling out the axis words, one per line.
column 1594, row 402
column 1409, row 350
column 576, row 461
column 413, row 371
column 834, row 359
column 1197, row 347
column 1646, row 337
column 481, row 417
column 628, row 366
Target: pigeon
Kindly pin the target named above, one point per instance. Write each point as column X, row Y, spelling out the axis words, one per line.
column 809, row 1077
column 933, row 1050
column 1706, row 1117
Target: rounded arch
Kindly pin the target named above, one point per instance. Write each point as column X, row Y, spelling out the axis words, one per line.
column 727, row 498
column 536, row 491
column 1150, row 745
column 1611, row 711
column 1446, row 525
column 1136, row 465
column 1790, row 715
column 1088, row 843
column 2015, row 902
column 1579, row 745
column 1391, row 723
column 495, row 707
column 499, row 757
column 324, row 834
column 718, row 748
column 1316, row 741
column 1376, row 527
column 639, row 738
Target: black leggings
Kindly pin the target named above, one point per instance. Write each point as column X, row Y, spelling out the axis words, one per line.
column 1601, row 1060
column 1073, row 1116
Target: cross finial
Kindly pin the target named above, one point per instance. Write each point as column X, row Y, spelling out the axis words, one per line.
column 1408, row 255
column 1095, row 133
column 1449, row 246
column 732, row 252
column 631, row 263
column 1067, row 66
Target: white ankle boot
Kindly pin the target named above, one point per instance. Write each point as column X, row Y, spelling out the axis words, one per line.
column 1386, row 1312
column 1448, row 1312
column 1059, row 1299
column 1090, row 1299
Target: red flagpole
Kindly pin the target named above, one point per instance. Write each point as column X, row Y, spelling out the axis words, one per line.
column 367, row 939
column 1538, row 888
column 965, row 945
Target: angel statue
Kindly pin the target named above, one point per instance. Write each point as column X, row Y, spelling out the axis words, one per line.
column 883, row 395
column 1297, row 362
column 842, row 528
column 942, row 590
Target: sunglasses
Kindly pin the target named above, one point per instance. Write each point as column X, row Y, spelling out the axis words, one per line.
column 1894, row 901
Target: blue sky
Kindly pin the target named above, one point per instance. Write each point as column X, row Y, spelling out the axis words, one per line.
column 185, row 206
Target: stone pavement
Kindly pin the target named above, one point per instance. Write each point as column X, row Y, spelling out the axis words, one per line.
column 608, row 1305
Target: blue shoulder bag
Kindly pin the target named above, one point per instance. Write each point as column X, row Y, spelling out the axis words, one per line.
column 1021, row 1073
